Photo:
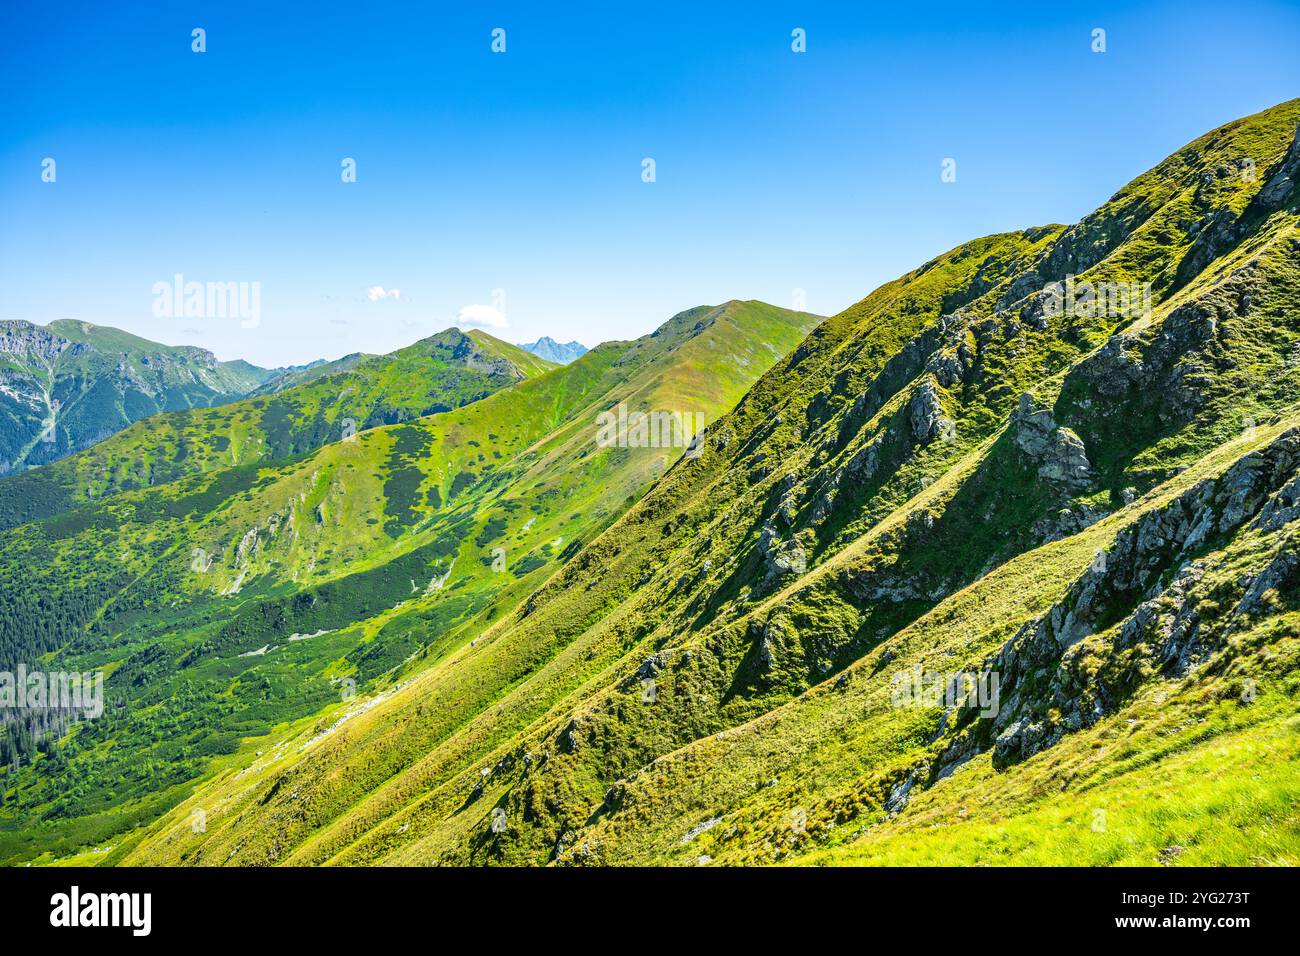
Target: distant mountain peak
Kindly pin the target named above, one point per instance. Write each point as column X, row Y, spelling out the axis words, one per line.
column 551, row 350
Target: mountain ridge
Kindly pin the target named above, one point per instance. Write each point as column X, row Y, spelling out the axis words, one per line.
column 382, row 548
column 288, row 415
column 949, row 475
column 1062, row 461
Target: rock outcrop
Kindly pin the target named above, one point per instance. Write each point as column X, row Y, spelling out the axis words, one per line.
column 1058, row 453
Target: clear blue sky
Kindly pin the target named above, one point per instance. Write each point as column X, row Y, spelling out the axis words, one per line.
column 522, row 171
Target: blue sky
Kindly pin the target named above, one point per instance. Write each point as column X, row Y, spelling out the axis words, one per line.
column 522, row 171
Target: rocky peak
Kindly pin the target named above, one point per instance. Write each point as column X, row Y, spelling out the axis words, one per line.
column 31, row 341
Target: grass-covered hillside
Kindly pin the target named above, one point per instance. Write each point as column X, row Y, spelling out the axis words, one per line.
column 1096, row 505
column 68, row 385
column 290, row 414
column 233, row 604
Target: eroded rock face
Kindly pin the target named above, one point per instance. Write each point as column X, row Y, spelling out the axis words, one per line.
column 32, row 342
column 780, row 558
column 1170, row 368
column 1058, row 452
column 1281, row 509
column 1227, row 228
column 1282, row 575
column 1067, row 521
column 1048, row 687
column 1281, row 185
column 776, row 640
column 925, row 413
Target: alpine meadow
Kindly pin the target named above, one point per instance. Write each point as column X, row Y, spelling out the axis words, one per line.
column 999, row 566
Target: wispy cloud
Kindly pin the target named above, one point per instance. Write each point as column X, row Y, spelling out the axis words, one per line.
column 484, row 316
column 378, row 292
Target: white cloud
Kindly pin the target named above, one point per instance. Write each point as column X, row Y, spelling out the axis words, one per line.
column 485, row 316
column 377, row 292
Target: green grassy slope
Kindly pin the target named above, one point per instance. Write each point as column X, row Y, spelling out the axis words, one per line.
column 246, row 598
column 442, row 372
column 1098, row 507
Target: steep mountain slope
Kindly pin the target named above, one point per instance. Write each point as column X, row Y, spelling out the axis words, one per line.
column 292, row 414
column 227, row 603
column 551, row 350
column 70, row 384
column 1094, row 502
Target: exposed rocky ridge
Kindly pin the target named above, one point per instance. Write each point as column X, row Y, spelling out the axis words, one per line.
column 30, row 342
column 1051, row 685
